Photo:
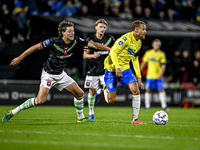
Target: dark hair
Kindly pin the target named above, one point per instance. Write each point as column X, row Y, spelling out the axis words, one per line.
column 63, row 26
column 137, row 24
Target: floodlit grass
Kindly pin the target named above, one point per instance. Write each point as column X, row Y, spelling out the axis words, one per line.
column 49, row 127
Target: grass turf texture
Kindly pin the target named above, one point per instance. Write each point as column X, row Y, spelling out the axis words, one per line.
column 49, row 127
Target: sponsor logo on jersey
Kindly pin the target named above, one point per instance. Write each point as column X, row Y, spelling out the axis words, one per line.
column 47, row 41
column 153, row 59
column 120, row 42
column 65, row 56
column 131, row 51
column 102, row 52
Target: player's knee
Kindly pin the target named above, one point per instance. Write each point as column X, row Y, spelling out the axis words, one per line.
column 136, row 92
column 40, row 100
column 111, row 100
column 80, row 93
column 92, row 92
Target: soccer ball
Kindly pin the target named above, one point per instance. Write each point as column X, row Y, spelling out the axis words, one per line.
column 160, row 117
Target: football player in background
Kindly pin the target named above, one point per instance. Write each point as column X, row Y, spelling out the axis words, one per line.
column 95, row 75
column 53, row 75
column 155, row 59
column 117, row 68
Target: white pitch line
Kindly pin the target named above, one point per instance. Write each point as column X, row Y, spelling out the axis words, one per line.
column 92, row 134
column 79, row 143
column 96, row 134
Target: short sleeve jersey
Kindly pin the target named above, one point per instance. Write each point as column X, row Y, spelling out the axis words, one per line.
column 59, row 52
column 127, row 48
column 96, row 66
column 154, row 61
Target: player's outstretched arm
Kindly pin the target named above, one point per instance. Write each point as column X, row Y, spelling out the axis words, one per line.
column 98, row 46
column 87, row 55
column 30, row 50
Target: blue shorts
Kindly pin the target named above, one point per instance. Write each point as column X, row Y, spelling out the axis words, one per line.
column 111, row 79
column 154, row 84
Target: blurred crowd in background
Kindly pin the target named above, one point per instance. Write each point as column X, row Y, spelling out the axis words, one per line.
column 15, row 14
column 15, row 18
column 184, row 68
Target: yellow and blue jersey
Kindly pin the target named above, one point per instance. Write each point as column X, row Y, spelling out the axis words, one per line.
column 125, row 49
column 154, row 61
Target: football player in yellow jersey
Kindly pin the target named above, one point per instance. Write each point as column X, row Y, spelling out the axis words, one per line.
column 156, row 61
column 117, row 68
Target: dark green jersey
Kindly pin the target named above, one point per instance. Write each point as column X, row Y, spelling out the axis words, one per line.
column 59, row 52
column 96, row 66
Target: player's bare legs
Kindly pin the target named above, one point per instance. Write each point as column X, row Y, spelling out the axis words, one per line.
column 133, row 86
column 42, row 95
column 78, row 100
column 31, row 102
column 111, row 96
column 75, row 90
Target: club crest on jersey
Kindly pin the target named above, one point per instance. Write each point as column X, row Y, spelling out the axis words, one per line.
column 110, row 86
column 65, row 52
column 48, row 83
column 87, row 83
column 120, row 42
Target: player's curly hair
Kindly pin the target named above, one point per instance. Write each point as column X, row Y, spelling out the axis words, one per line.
column 63, row 26
column 137, row 24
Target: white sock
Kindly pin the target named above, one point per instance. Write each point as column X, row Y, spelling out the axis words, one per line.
column 31, row 102
column 105, row 95
column 147, row 100
column 91, row 100
column 79, row 104
column 136, row 106
column 162, row 96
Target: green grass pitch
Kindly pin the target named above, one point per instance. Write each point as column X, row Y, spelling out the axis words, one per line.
column 56, row 127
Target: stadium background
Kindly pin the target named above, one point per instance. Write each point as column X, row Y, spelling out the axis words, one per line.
column 21, row 82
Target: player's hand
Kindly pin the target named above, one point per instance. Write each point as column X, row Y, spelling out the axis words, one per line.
column 140, row 83
column 15, row 61
column 118, row 73
column 95, row 55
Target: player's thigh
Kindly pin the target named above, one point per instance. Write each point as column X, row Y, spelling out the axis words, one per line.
column 111, row 96
column 42, row 94
column 75, row 89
